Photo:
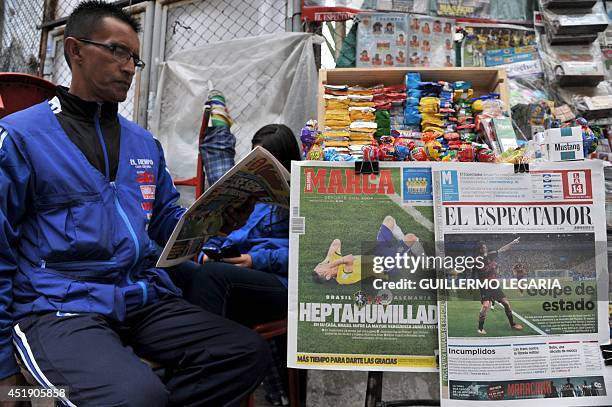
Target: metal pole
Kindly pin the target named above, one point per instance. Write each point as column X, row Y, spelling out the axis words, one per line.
column 339, row 35
column 143, row 95
column 2, row 11
column 294, row 16
column 374, row 389
column 157, row 57
column 48, row 15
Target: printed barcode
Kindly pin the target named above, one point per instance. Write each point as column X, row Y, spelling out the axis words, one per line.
column 298, row 225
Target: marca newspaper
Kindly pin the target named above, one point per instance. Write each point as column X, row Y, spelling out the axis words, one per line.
column 347, row 310
column 525, row 322
column 226, row 205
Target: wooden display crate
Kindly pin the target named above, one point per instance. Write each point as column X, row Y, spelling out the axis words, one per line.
column 484, row 80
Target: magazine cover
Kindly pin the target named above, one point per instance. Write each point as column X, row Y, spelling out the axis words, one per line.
column 500, row 44
column 382, row 40
column 431, row 42
column 524, row 321
column 405, row 6
column 480, row 9
column 348, row 309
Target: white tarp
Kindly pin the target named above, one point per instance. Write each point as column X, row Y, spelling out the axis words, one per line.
column 266, row 79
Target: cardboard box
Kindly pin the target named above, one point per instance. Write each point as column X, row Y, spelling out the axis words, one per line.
column 564, row 144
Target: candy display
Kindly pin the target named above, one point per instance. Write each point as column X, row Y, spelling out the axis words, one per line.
column 417, row 121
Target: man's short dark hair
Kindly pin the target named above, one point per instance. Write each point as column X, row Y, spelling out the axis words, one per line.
column 87, row 18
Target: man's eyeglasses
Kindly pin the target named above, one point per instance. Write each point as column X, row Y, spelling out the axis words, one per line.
column 120, row 53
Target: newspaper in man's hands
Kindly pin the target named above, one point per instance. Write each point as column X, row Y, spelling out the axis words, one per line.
column 227, row 204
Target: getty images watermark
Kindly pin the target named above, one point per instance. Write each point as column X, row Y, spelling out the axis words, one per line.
column 455, row 266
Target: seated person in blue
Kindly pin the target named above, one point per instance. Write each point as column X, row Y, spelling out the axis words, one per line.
column 252, row 287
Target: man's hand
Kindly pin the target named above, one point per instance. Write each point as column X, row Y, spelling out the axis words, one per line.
column 14, row 380
column 245, row 260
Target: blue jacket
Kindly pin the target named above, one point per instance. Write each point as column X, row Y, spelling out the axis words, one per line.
column 265, row 236
column 71, row 240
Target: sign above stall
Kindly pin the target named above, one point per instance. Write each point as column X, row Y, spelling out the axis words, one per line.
column 330, row 10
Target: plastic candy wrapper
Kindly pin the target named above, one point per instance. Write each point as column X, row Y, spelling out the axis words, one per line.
column 383, row 121
column 413, row 80
column 466, row 153
column 331, row 154
column 372, row 153
column 315, row 153
column 489, row 105
column 402, row 153
column 512, row 156
column 308, row 136
column 418, row 154
column 485, row 155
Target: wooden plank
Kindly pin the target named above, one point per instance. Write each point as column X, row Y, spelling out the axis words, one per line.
column 320, row 100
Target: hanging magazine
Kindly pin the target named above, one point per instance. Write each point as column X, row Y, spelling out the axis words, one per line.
column 348, row 307
column 524, row 320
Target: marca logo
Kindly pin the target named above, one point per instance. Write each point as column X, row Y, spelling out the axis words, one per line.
column 148, row 191
column 338, row 181
column 144, row 177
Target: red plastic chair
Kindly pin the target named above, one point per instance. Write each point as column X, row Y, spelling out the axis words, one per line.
column 198, row 181
column 19, row 91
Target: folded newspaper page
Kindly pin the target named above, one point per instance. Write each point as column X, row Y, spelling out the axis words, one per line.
column 347, row 309
column 524, row 321
column 226, row 205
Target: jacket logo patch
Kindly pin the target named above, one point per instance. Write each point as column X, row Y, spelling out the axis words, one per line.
column 145, row 177
column 148, row 191
column 141, row 163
